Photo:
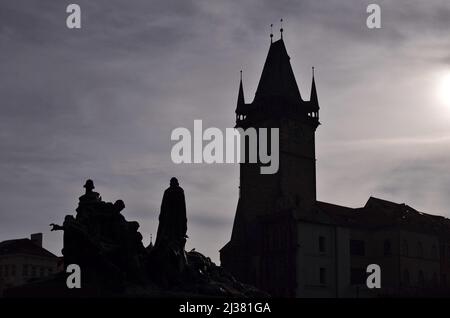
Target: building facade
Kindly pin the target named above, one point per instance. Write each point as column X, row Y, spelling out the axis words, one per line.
column 286, row 242
column 24, row 260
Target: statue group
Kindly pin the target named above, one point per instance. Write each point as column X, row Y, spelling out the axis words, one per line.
column 114, row 261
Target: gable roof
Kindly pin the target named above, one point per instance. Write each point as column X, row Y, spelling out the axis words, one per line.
column 341, row 215
column 378, row 213
column 23, row 246
column 387, row 213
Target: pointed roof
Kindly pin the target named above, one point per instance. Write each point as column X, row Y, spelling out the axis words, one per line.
column 313, row 98
column 277, row 78
column 241, row 99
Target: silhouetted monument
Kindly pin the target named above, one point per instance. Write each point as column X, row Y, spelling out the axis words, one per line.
column 171, row 236
column 108, row 248
column 172, row 218
column 114, row 262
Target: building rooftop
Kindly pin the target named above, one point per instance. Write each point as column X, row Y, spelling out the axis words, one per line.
column 23, row 246
column 379, row 213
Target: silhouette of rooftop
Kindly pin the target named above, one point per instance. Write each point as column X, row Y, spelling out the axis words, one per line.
column 378, row 213
column 23, row 246
column 277, row 78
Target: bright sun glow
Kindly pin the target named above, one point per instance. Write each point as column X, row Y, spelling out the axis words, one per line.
column 444, row 89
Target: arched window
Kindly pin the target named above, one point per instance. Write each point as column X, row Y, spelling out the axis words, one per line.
column 405, row 249
column 406, row 281
column 419, row 249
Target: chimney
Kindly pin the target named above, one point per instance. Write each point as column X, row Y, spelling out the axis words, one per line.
column 36, row 239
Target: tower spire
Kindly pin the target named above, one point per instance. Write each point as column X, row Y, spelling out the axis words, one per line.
column 271, row 33
column 241, row 99
column 281, row 29
column 277, row 78
column 313, row 98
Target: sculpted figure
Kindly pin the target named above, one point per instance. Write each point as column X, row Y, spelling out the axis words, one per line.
column 172, row 218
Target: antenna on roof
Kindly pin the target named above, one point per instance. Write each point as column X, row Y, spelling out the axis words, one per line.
column 313, row 68
column 241, row 75
column 271, row 33
column 281, row 29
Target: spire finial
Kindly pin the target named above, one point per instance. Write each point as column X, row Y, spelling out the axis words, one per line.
column 281, row 29
column 241, row 100
column 313, row 98
column 271, row 32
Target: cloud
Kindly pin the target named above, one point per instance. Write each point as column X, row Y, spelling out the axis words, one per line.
column 101, row 103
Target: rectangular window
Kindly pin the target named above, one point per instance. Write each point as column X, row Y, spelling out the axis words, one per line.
column 444, row 280
column 321, row 244
column 387, row 248
column 41, row 272
column 357, row 276
column 322, row 276
column 33, row 271
column 357, row 248
column 25, row 270
column 13, row 270
column 6, row 270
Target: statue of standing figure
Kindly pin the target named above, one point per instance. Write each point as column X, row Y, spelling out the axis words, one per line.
column 168, row 254
column 172, row 226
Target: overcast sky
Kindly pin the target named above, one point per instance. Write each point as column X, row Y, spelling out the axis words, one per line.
column 101, row 103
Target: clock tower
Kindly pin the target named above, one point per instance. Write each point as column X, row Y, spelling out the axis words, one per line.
column 263, row 241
